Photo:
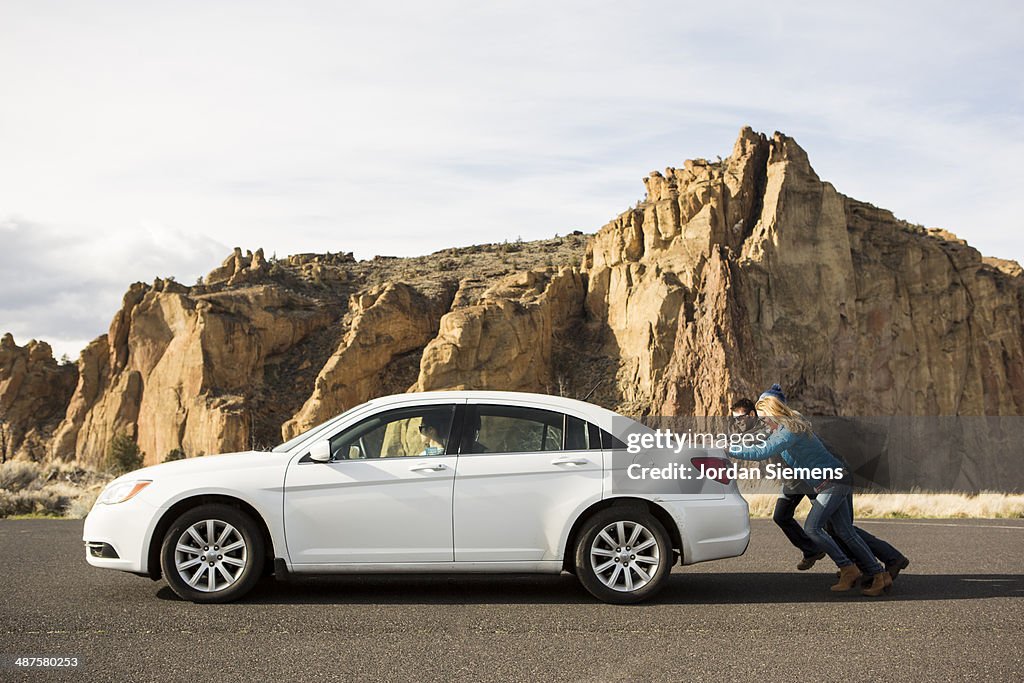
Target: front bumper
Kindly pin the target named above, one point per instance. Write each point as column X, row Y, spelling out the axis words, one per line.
column 123, row 530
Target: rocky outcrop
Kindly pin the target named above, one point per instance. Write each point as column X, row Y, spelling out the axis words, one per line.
column 735, row 274
column 506, row 340
column 178, row 370
column 34, row 391
column 93, row 377
column 237, row 268
column 502, row 338
column 388, row 322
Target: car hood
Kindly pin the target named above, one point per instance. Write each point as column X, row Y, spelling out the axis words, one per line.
column 208, row 464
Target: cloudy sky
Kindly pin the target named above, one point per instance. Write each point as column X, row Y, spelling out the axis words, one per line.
column 140, row 139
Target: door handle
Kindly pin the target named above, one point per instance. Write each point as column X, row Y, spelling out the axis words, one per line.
column 570, row 461
column 424, row 467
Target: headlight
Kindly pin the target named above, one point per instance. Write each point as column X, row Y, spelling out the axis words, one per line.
column 122, row 491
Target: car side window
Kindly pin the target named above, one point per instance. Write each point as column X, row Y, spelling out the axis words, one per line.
column 580, row 435
column 513, row 429
column 416, row 431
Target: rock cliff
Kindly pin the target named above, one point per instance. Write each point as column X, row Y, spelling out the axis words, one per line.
column 736, row 274
column 729, row 275
column 506, row 340
column 182, row 368
column 34, row 393
column 388, row 323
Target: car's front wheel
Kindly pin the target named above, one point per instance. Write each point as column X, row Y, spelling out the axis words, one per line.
column 623, row 555
column 212, row 553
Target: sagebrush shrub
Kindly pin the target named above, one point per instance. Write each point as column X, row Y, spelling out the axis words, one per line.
column 123, row 455
column 17, row 475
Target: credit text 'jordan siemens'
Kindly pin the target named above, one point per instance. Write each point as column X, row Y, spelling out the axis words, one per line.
column 734, row 472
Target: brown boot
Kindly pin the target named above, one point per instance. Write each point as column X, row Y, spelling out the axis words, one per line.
column 880, row 582
column 848, row 576
column 809, row 561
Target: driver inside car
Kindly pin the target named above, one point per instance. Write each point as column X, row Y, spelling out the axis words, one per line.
column 434, row 432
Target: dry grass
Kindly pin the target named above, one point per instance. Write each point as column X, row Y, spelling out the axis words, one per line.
column 913, row 504
column 53, row 490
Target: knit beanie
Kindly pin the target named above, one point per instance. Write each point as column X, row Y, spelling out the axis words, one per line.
column 775, row 391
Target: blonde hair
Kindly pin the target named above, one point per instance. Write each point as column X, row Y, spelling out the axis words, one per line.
column 769, row 406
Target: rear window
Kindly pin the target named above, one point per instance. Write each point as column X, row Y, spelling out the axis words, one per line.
column 513, row 429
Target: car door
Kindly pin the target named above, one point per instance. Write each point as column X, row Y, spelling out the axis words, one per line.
column 384, row 497
column 520, row 481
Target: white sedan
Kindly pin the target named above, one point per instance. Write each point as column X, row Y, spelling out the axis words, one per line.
column 455, row 481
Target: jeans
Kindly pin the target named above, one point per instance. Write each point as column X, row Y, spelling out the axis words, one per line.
column 879, row 548
column 834, row 505
column 785, row 506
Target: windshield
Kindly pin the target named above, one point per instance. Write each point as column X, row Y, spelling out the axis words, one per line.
column 294, row 441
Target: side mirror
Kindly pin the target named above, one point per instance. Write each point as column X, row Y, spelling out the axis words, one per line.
column 320, row 451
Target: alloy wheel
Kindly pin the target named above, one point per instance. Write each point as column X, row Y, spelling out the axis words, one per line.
column 210, row 555
column 625, row 556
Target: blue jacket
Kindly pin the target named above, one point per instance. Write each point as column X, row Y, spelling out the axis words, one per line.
column 797, row 450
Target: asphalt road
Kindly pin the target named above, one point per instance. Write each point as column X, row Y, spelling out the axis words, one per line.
column 956, row 614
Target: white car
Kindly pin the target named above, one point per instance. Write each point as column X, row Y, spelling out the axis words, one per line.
column 454, row 481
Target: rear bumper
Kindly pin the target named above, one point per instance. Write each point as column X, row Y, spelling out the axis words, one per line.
column 711, row 529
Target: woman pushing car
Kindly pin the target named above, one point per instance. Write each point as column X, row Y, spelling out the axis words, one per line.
column 793, row 440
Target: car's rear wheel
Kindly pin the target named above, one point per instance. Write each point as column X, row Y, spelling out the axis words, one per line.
column 212, row 553
column 623, row 555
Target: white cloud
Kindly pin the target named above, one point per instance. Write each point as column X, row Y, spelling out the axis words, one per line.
column 404, row 128
column 64, row 287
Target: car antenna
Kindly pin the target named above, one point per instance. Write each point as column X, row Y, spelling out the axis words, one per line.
column 594, row 388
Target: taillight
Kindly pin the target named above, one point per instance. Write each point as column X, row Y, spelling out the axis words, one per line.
column 716, row 468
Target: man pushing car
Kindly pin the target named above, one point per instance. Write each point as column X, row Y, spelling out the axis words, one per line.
column 829, row 527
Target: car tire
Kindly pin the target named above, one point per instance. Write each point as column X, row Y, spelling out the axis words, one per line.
column 607, row 562
column 212, row 553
